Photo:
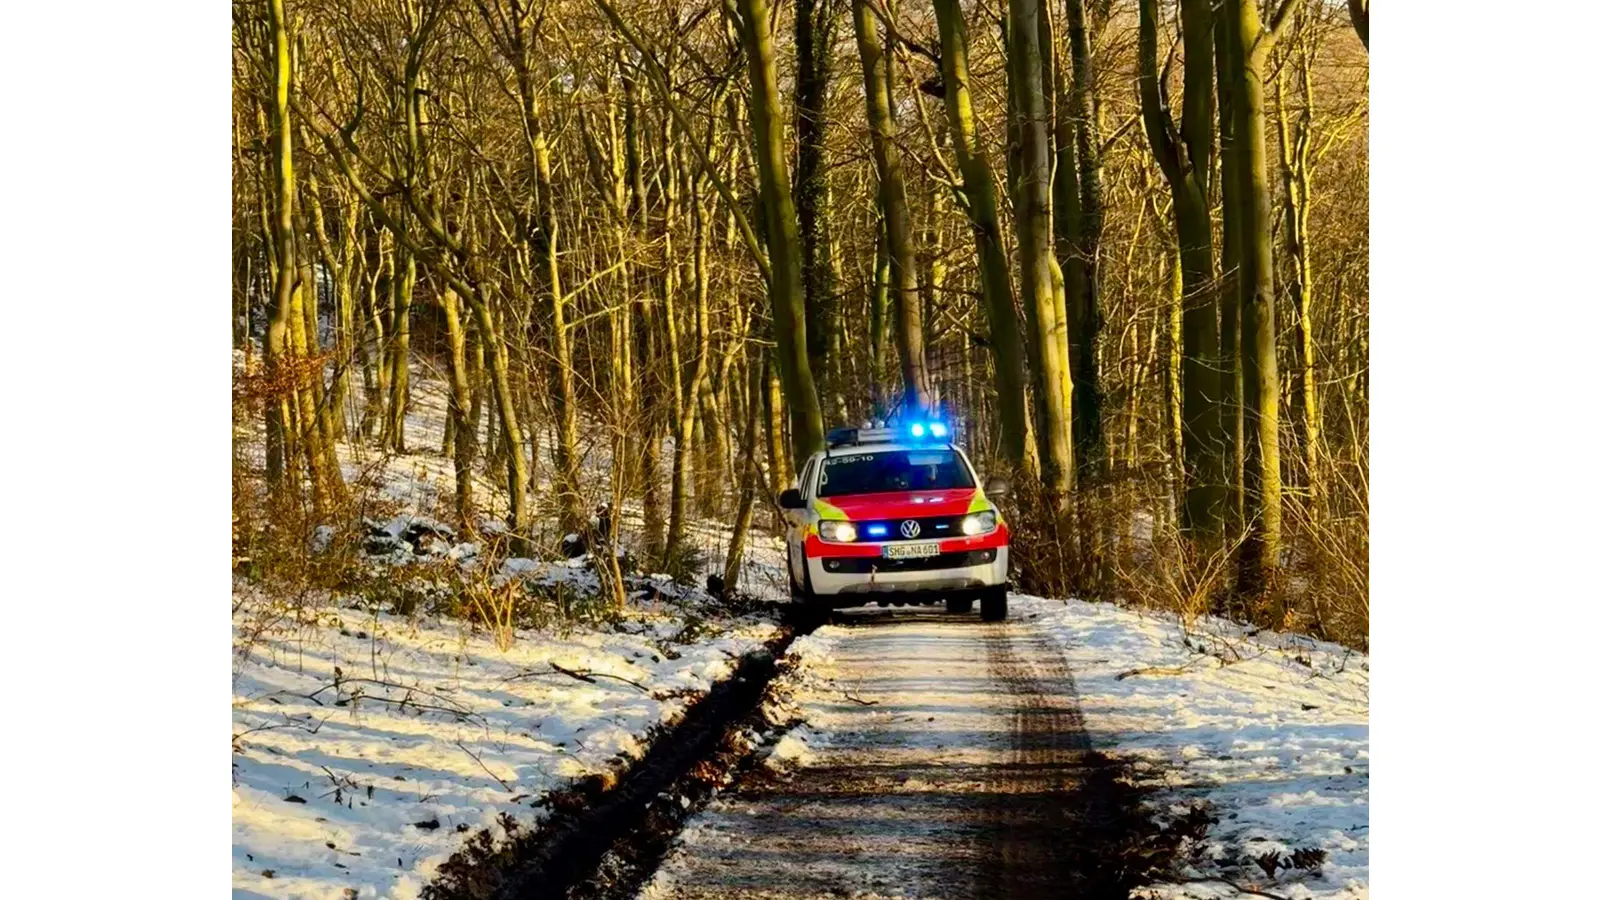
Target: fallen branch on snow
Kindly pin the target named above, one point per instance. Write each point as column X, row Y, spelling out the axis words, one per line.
column 452, row 707
column 477, row 759
column 580, row 674
column 1160, row 670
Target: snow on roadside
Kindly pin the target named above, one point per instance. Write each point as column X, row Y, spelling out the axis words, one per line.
column 367, row 746
column 1275, row 740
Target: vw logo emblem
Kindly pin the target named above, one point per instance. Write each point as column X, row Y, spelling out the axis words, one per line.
column 910, row 528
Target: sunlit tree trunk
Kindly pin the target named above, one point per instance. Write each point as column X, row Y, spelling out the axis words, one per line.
column 401, row 288
column 994, row 275
column 1228, row 282
column 878, row 325
column 276, row 347
column 782, row 231
column 1258, row 559
column 689, row 403
column 465, row 436
column 1295, row 168
column 875, row 66
column 1052, row 380
column 547, row 243
column 1184, row 155
column 752, row 387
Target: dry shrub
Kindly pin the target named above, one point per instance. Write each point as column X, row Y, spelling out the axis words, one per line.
column 1138, row 555
column 1327, row 584
column 1044, row 554
column 1178, row 575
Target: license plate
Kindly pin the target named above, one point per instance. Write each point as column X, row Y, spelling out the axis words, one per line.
column 910, row 551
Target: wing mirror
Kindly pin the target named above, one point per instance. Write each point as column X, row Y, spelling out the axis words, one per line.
column 997, row 487
column 791, row 499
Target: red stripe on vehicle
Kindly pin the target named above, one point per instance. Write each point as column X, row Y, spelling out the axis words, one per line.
column 816, row 548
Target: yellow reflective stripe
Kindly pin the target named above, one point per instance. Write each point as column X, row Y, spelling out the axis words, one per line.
column 826, row 510
column 980, row 503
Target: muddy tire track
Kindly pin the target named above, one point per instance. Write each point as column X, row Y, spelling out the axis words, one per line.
column 956, row 765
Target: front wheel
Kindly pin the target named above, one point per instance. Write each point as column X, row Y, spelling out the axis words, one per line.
column 993, row 605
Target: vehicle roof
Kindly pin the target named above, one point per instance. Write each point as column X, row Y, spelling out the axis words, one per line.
column 858, row 449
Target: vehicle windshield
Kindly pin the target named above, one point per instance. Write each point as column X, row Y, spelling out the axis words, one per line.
column 893, row 470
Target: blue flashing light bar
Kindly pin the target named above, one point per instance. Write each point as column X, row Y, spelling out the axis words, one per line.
column 877, row 530
column 871, row 432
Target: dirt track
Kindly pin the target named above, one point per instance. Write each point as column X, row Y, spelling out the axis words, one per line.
column 955, row 764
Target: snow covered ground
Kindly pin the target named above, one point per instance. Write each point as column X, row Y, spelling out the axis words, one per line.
column 368, row 746
column 1269, row 729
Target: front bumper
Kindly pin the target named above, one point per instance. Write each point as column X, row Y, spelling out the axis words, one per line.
column 951, row 571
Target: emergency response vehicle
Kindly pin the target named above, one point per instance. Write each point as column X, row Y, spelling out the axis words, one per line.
column 895, row 515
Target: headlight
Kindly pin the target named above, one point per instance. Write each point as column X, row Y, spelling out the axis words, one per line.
column 838, row 532
column 979, row 523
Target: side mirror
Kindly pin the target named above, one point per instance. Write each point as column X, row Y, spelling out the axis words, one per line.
column 791, row 499
column 997, row 487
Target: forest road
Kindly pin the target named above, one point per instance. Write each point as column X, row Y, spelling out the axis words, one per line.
column 950, row 761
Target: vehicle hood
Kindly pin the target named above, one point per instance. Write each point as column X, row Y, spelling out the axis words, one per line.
column 902, row 504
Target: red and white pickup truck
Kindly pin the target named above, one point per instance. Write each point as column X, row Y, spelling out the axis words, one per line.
column 895, row 515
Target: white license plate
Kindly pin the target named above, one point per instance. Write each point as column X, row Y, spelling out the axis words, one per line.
column 910, row 551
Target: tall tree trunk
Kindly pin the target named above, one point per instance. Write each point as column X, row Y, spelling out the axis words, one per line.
column 1078, row 230
column 782, row 231
column 752, row 387
column 1258, row 560
column 1052, row 379
column 1176, row 445
column 814, row 32
column 688, row 405
column 402, row 286
column 282, row 244
column 878, row 325
column 1228, row 286
column 994, row 274
column 777, row 460
column 1184, row 155
column 381, row 286
column 1295, row 166
column 517, row 519
column 546, row 241
column 875, row 65
column 465, row 436
column 320, row 431
column 338, row 266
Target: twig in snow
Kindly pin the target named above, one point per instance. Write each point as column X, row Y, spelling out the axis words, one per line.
column 479, row 761
column 1161, row 670
column 580, row 674
column 854, row 699
column 452, row 708
column 287, row 723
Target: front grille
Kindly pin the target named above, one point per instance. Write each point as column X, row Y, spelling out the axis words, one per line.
column 930, row 528
column 861, row 565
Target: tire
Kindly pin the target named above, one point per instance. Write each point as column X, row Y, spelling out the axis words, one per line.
column 958, row 604
column 993, row 605
column 797, row 594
